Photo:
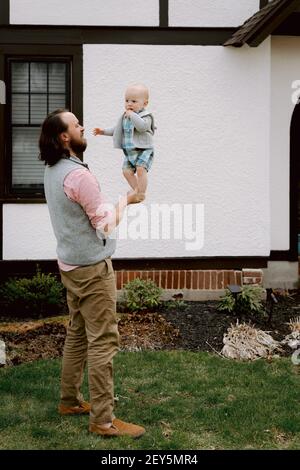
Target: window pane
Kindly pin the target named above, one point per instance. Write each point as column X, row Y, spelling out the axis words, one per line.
column 19, row 109
column 38, row 108
column 38, row 77
column 57, row 78
column 20, row 77
column 56, row 101
column 38, row 87
column 26, row 168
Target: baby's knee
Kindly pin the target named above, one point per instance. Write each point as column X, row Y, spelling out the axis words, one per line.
column 141, row 170
column 127, row 171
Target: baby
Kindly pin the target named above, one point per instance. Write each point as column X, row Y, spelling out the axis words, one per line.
column 134, row 134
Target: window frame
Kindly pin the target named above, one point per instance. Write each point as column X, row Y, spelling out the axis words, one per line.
column 33, row 192
column 72, row 54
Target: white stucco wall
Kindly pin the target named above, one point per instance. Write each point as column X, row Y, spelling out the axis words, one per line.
column 211, row 13
column 210, row 148
column 285, row 66
column 186, row 13
column 212, row 143
column 87, row 12
column 27, row 232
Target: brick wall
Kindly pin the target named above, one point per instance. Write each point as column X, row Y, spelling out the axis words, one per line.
column 252, row 276
column 192, row 279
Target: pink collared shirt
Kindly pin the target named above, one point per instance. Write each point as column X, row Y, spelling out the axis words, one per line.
column 81, row 186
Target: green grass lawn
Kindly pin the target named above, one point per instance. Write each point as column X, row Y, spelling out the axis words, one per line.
column 185, row 400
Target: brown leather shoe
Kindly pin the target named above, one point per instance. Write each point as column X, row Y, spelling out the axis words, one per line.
column 82, row 409
column 118, row 428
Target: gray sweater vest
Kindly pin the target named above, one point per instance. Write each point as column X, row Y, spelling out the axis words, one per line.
column 77, row 241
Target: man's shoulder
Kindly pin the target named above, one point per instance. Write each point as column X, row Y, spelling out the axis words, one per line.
column 78, row 174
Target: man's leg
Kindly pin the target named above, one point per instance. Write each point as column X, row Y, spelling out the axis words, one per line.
column 75, row 351
column 98, row 308
column 95, row 288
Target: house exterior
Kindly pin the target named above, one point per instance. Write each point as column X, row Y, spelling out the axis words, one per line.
column 224, row 79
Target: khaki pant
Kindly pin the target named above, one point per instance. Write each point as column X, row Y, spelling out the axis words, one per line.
column 92, row 336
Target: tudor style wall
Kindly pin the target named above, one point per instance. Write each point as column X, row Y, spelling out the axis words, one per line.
column 222, row 81
column 210, row 13
column 285, row 69
column 132, row 12
column 211, row 147
column 87, row 12
column 27, row 232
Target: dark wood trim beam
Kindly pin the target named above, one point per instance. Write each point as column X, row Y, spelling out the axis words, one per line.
column 4, row 11
column 22, row 200
column 22, row 267
column 284, row 255
column 163, row 13
column 191, row 263
column 1, row 233
column 77, row 84
column 12, row 268
column 263, row 3
column 289, row 27
column 294, row 180
column 209, row 263
column 73, row 35
column 2, row 132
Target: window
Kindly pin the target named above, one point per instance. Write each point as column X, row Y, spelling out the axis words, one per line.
column 36, row 87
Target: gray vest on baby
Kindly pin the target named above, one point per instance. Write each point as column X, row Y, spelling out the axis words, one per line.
column 77, row 241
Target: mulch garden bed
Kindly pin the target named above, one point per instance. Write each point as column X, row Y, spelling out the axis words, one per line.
column 199, row 326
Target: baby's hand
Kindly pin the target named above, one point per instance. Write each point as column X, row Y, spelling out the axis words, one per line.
column 128, row 113
column 98, row 131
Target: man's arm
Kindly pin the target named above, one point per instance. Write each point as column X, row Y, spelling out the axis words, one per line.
column 118, row 213
column 81, row 186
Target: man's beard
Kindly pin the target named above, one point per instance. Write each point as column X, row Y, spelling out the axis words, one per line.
column 78, row 146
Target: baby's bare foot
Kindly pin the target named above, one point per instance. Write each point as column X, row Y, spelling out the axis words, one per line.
column 137, row 197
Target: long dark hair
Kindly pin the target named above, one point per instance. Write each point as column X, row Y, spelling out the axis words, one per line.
column 51, row 148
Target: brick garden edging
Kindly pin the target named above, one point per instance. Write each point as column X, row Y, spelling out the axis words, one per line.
column 193, row 280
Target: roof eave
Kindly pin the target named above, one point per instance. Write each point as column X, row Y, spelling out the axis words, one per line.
column 263, row 32
column 265, row 28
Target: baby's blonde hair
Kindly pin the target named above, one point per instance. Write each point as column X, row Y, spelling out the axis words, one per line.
column 141, row 88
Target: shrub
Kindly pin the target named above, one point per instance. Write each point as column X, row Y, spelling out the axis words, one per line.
column 41, row 295
column 248, row 302
column 176, row 304
column 142, row 295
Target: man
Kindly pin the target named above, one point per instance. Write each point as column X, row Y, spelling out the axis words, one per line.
column 78, row 215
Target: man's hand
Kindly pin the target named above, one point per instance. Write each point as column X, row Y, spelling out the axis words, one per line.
column 98, row 131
